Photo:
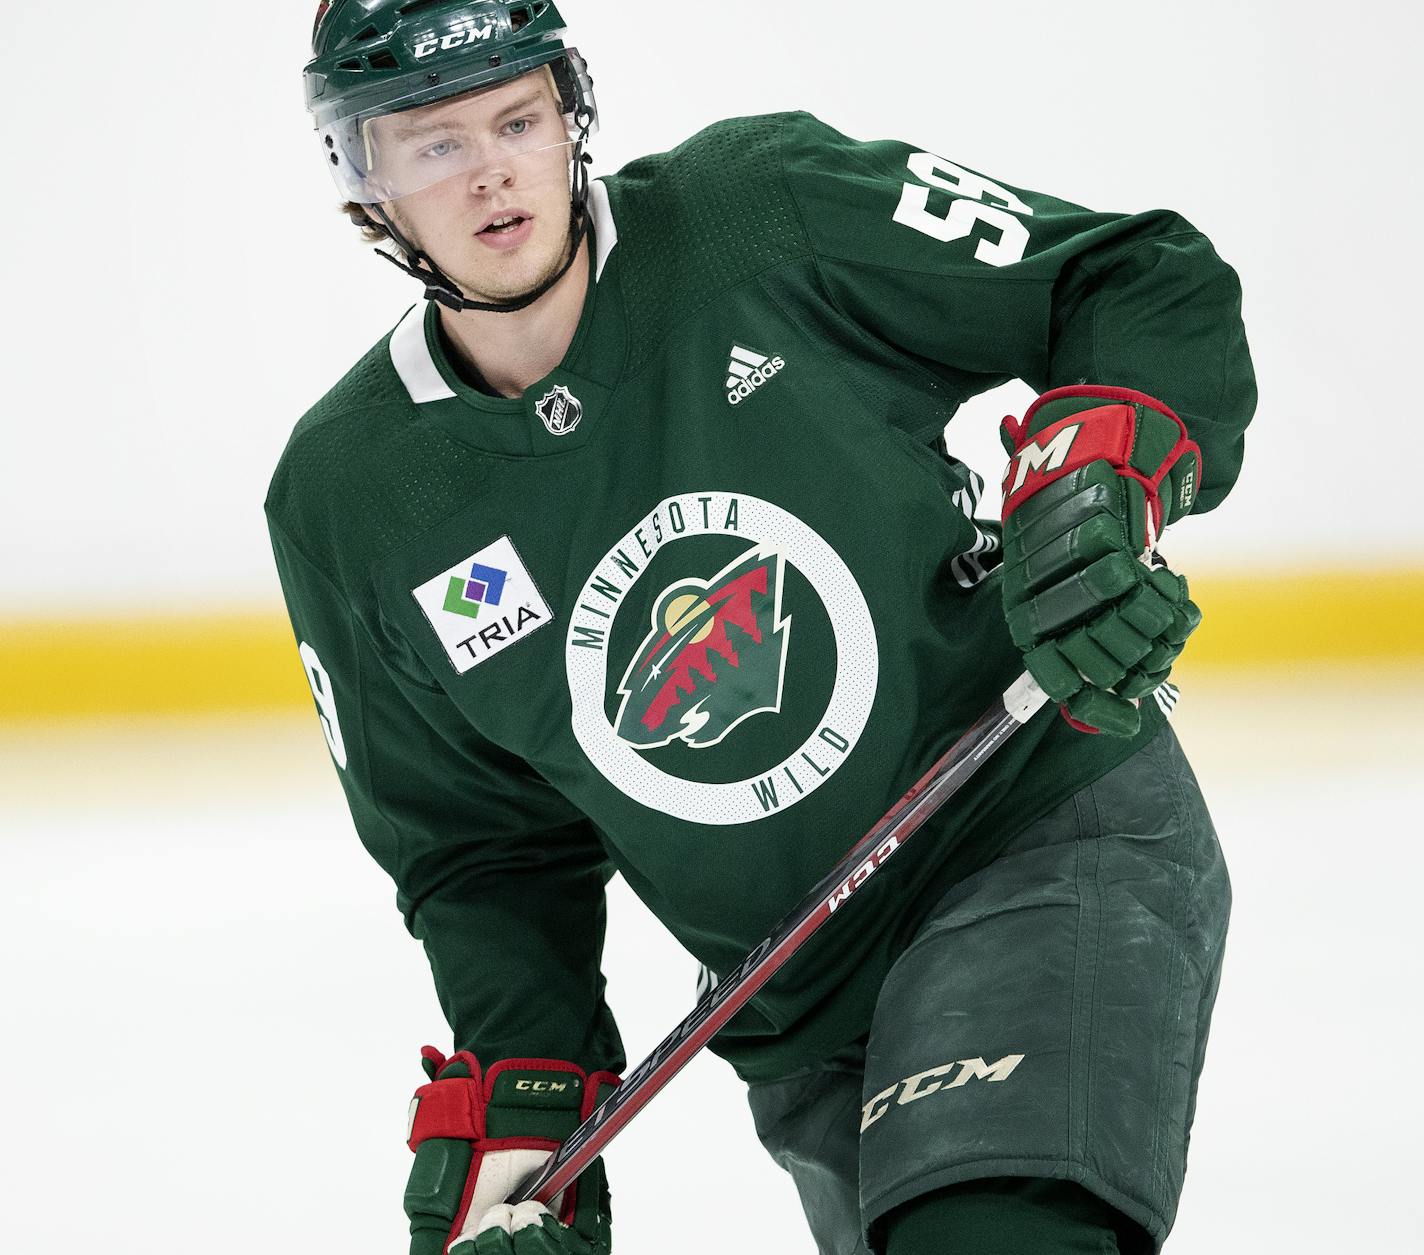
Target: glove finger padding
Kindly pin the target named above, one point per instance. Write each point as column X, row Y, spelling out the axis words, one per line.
column 527, row 1229
column 1124, row 642
column 1147, row 610
column 1110, row 655
column 1093, row 710
column 1185, row 621
column 1074, row 530
column 1072, row 601
column 1139, row 684
column 434, row 1190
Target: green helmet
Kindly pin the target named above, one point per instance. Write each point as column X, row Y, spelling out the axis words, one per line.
column 371, row 58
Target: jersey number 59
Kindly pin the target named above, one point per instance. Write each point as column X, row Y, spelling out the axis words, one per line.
column 972, row 196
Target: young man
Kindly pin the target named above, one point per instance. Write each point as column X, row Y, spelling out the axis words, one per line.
column 638, row 548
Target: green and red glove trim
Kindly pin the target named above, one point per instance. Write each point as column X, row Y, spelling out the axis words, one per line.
column 1047, row 448
column 1095, row 475
column 476, row 1132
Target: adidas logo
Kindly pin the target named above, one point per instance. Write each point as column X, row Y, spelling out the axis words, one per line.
column 747, row 371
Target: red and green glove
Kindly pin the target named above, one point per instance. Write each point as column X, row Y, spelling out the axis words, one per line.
column 478, row 1134
column 1095, row 476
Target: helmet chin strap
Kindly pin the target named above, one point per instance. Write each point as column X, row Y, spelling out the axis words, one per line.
column 440, row 287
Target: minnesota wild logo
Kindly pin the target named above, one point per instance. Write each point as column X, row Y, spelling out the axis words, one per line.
column 715, row 656
column 711, row 654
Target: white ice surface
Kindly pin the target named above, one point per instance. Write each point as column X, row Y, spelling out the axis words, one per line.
column 212, row 1014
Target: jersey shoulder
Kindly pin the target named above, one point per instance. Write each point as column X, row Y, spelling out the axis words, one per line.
column 336, row 492
column 699, row 220
column 745, row 192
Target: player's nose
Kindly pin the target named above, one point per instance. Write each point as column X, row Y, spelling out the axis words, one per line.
column 492, row 174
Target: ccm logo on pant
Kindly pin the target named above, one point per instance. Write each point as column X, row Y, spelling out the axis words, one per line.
column 930, row 1081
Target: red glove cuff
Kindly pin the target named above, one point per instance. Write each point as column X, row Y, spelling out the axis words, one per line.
column 455, row 1106
column 451, row 1107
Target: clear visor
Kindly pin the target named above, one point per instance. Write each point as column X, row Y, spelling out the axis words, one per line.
column 383, row 158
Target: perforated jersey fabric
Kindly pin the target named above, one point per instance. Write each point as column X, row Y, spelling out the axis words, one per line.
column 364, row 445
column 726, row 191
column 702, row 603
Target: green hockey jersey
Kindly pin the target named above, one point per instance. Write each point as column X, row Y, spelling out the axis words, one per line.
column 702, row 603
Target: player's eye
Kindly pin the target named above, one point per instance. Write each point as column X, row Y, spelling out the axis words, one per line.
column 440, row 149
column 520, row 126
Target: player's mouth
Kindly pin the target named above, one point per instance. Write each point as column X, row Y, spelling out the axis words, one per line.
column 506, row 230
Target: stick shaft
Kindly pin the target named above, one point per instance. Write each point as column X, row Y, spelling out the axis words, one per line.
column 1013, row 709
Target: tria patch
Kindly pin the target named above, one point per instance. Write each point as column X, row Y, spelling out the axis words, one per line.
column 748, row 370
column 483, row 605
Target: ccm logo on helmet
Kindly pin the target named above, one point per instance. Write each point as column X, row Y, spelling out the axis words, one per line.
column 455, row 39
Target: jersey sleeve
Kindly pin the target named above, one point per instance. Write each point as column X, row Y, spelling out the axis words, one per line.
column 985, row 282
column 496, row 874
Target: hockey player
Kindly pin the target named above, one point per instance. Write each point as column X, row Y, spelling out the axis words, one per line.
column 637, row 547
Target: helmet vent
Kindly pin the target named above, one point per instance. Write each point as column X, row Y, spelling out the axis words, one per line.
column 383, row 61
column 353, row 66
column 519, row 19
column 360, row 37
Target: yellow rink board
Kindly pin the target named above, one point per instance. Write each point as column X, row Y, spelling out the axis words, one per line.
column 248, row 661
column 82, row 668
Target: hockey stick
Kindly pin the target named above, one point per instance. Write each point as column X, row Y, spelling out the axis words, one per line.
column 1013, row 709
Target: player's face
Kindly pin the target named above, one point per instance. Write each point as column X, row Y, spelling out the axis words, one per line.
column 500, row 226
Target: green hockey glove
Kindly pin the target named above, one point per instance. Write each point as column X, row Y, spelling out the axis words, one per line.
column 478, row 1134
column 1095, row 476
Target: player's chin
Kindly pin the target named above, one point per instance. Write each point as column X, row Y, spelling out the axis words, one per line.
column 517, row 275
column 508, row 285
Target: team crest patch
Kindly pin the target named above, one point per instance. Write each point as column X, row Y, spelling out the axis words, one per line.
column 560, row 410
column 705, row 665
column 483, row 605
column 716, row 655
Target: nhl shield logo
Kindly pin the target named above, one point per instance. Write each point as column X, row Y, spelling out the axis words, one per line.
column 560, row 410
